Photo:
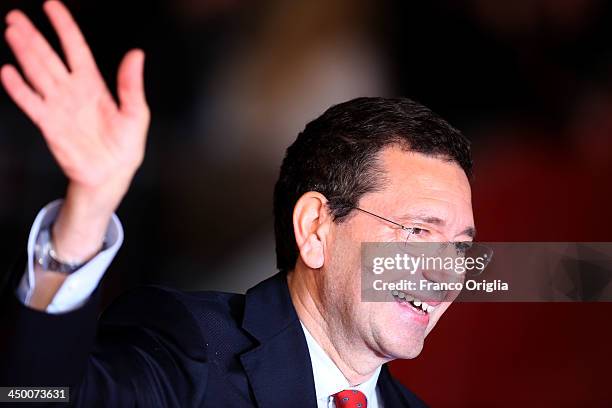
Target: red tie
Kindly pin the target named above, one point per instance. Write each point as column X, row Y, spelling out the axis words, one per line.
column 350, row 399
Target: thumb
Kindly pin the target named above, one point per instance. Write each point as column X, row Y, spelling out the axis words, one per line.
column 130, row 84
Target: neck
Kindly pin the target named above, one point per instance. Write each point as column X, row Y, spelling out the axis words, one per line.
column 354, row 359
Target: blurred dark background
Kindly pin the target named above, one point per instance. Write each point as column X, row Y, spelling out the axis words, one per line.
column 231, row 83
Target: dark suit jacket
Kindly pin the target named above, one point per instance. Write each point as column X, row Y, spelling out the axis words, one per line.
column 158, row 347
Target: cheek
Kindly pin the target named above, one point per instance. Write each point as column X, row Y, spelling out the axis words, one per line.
column 343, row 252
column 342, row 273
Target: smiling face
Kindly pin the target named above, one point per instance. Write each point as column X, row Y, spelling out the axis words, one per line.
column 427, row 193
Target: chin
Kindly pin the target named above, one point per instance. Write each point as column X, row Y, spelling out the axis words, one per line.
column 404, row 348
column 412, row 351
column 407, row 353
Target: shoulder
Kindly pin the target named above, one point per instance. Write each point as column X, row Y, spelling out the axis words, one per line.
column 192, row 319
column 144, row 302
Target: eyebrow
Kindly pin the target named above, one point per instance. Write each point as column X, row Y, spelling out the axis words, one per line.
column 432, row 220
column 469, row 231
column 422, row 217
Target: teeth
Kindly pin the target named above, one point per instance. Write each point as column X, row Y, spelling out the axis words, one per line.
column 404, row 297
column 427, row 308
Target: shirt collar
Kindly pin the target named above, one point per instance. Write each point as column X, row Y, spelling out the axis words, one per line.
column 328, row 378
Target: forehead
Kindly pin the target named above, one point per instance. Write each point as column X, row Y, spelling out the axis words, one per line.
column 416, row 183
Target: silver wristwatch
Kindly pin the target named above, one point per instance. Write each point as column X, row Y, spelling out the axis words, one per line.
column 46, row 258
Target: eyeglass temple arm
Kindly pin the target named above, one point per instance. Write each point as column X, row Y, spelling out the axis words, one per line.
column 383, row 218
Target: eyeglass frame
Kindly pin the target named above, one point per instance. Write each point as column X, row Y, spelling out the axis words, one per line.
column 411, row 230
column 403, row 227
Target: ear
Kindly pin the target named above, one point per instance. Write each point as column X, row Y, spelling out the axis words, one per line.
column 311, row 221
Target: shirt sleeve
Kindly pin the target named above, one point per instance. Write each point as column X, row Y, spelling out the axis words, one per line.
column 79, row 285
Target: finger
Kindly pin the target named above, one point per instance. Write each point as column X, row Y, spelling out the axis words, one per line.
column 32, row 67
column 27, row 100
column 130, row 84
column 38, row 44
column 73, row 43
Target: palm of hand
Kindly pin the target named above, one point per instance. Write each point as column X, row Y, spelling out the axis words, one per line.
column 95, row 140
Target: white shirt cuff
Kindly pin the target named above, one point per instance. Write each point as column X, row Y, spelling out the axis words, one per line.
column 78, row 286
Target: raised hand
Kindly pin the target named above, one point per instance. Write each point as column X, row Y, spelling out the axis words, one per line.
column 98, row 143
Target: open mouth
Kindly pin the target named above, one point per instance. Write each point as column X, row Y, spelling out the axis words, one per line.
column 418, row 305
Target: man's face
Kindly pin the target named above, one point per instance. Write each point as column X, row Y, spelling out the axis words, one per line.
column 427, row 193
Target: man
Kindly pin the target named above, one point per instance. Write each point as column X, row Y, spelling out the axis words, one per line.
column 301, row 338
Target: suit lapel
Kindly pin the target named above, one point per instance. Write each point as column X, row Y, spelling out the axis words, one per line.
column 279, row 368
column 390, row 395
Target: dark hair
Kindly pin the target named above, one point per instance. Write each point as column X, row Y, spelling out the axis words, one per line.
column 336, row 153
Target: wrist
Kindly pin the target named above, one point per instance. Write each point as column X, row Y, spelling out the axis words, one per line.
column 101, row 199
column 47, row 259
column 79, row 230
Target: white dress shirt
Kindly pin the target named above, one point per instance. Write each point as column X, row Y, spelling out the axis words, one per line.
column 329, row 380
column 77, row 288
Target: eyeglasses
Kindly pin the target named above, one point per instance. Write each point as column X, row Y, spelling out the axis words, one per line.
column 459, row 249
